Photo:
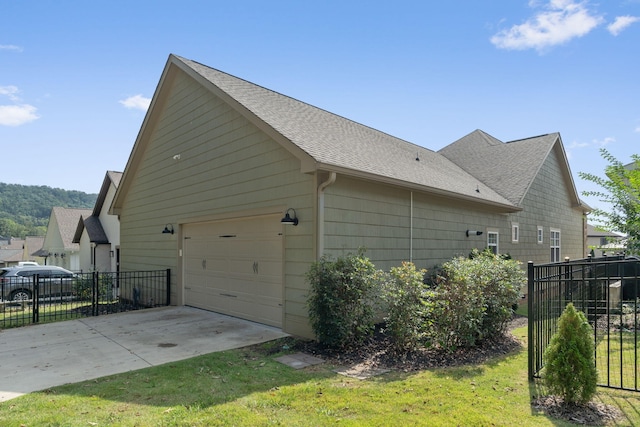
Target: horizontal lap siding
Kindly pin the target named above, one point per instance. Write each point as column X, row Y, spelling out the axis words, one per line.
column 549, row 204
column 378, row 218
column 226, row 165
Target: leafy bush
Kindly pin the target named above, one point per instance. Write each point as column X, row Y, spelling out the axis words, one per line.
column 341, row 301
column 407, row 300
column 570, row 369
column 85, row 285
column 473, row 298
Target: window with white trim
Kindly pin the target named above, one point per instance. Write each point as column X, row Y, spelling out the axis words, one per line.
column 540, row 234
column 554, row 244
column 515, row 232
column 492, row 241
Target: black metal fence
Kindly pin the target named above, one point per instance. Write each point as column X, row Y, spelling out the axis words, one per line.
column 35, row 299
column 607, row 291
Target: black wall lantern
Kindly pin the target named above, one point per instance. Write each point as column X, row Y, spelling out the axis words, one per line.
column 287, row 220
column 168, row 229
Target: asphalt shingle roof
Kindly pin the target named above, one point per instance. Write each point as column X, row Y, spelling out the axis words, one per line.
column 335, row 143
column 67, row 219
column 509, row 168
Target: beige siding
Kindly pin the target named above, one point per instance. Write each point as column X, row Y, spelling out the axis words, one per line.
column 227, row 168
column 548, row 203
column 381, row 219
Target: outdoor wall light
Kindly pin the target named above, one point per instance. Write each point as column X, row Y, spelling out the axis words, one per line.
column 287, row 220
column 474, row 233
column 168, row 229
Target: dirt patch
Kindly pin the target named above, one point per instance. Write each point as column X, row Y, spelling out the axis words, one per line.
column 377, row 354
column 592, row 413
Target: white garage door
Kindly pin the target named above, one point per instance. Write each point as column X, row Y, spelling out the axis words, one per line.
column 235, row 267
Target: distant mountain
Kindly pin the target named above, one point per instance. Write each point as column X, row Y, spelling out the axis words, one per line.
column 25, row 209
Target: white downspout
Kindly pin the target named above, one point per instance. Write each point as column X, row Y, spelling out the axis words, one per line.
column 321, row 188
column 411, row 231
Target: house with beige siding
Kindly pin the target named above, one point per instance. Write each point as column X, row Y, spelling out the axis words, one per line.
column 219, row 162
column 98, row 235
column 58, row 247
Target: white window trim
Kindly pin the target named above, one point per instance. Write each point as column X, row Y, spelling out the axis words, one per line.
column 497, row 245
column 551, row 232
column 515, row 232
column 540, row 235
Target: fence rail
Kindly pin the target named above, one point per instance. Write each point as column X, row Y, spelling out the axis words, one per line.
column 607, row 291
column 35, row 299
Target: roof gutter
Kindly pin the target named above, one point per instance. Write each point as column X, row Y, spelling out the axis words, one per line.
column 321, row 188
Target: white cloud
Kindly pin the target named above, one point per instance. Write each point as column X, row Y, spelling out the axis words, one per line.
column 137, row 102
column 10, row 47
column 621, row 23
column 16, row 115
column 10, row 92
column 560, row 22
column 637, row 129
column 604, row 142
column 576, row 144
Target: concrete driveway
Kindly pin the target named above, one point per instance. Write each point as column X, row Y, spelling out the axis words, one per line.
column 38, row 357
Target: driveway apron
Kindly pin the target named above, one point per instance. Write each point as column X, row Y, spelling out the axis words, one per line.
column 38, row 357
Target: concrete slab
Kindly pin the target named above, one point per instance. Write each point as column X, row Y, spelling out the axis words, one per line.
column 38, row 357
column 299, row 360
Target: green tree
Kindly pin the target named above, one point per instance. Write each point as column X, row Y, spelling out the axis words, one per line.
column 621, row 191
column 570, row 370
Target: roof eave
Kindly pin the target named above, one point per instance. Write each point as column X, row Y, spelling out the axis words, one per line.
column 501, row 207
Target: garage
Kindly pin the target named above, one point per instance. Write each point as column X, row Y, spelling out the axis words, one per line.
column 235, row 267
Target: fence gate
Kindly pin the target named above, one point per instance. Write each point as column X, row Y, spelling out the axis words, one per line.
column 606, row 291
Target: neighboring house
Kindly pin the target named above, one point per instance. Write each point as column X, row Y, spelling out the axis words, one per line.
column 58, row 246
column 13, row 251
column 98, row 234
column 219, row 161
column 604, row 242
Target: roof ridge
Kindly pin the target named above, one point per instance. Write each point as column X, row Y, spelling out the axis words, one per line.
column 530, row 137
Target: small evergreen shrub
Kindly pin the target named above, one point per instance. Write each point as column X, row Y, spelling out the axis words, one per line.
column 407, row 301
column 569, row 368
column 342, row 299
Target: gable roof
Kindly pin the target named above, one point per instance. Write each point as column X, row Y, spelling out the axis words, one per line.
column 67, row 219
column 111, row 177
column 92, row 223
column 508, row 167
column 321, row 140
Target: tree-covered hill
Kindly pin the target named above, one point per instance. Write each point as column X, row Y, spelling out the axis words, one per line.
column 25, row 209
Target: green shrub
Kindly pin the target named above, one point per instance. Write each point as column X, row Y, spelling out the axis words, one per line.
column 407, row 301
column 569, row 365
column 341, row 301
column 474, row 298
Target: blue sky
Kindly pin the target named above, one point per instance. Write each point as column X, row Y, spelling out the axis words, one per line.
column 76, row 77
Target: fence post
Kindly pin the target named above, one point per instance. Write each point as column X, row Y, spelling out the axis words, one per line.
column 35, row 307
column 94, row 293
column 168, row 282
column 531, row 320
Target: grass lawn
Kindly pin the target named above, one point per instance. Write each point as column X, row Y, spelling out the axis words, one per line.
column 248, row 387
column 618, row 355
